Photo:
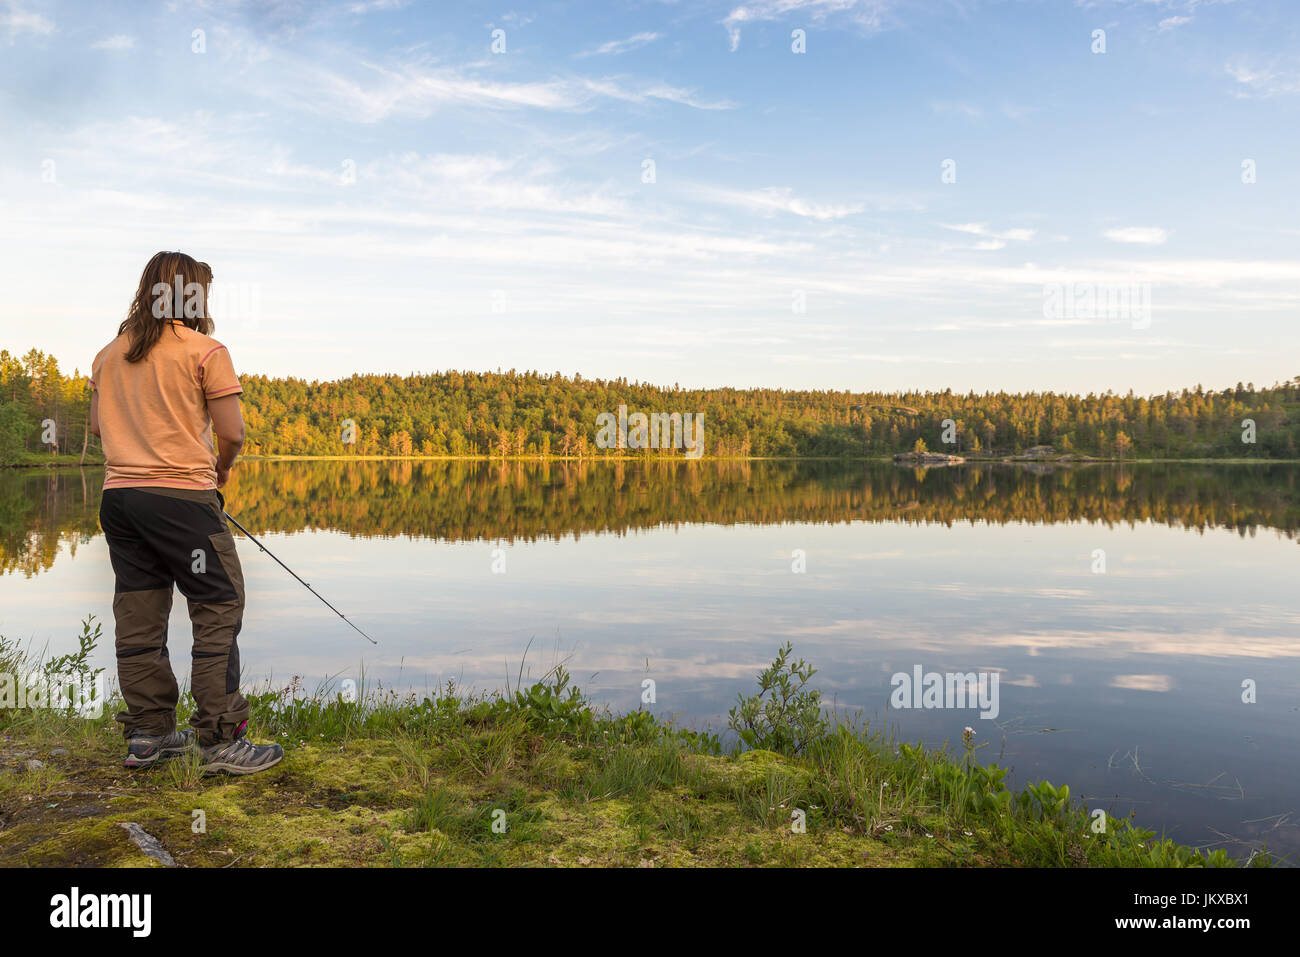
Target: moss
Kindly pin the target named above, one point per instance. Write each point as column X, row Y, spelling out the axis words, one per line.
column 354, row 804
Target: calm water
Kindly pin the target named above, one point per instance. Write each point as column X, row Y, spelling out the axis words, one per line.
column 1127, row 684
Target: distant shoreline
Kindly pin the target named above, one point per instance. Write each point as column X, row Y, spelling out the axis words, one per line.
column 72, row 461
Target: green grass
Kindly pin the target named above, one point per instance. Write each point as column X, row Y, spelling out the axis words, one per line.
column 537, row 776
column 59, row 459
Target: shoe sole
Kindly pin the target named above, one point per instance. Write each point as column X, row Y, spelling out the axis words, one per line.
column 165, row 755
column 224, row 767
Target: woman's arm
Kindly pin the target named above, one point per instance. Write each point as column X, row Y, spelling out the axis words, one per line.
column 228, row 426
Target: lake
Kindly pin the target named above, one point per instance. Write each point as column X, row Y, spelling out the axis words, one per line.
column 1123, row 609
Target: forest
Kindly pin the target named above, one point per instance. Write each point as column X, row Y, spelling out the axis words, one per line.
column 44, row 413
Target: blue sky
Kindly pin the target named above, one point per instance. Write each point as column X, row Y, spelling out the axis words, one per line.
column 378, row 190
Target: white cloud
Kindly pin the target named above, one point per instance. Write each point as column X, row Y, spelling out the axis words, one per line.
column 371, row 92
column 1139, row 235
column 780, row 199
column 414, row 92
column 868, row 14
column 366, row 7
column 615, row 90
column 993, row 240
column 119, row 41
column 1170, row 23
column 615, row 47
column 15, row 20
column 1263, row 82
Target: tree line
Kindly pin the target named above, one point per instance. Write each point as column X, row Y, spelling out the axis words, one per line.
column 505, row 414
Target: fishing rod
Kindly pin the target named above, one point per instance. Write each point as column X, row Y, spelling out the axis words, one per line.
column 295, row 575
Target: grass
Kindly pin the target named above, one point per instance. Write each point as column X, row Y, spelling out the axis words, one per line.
column 57, row 460
column 535, row 776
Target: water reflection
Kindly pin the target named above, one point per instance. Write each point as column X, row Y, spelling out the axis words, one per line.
column 527, row 501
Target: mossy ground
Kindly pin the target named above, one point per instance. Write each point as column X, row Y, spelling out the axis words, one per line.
column 369, row 802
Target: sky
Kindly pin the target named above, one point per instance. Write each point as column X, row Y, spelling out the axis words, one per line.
column 830, row 194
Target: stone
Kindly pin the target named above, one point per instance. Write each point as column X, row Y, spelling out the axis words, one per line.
column 147, row 843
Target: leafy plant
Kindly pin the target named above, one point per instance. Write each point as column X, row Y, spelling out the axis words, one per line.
column 785, row 716
column 74, row 668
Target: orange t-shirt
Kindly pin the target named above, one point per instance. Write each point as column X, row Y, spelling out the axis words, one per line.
column 153, row 414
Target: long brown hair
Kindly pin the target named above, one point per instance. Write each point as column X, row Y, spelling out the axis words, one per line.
column 152, row 308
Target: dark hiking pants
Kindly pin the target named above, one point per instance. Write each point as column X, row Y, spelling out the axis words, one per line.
column 157, row 538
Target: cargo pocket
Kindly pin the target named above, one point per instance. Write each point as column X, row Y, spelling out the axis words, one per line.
column 223, row 545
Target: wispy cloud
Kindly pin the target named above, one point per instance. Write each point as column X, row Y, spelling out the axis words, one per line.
column 368, row 91
column 868, row 14
column 16, row 20
column 775, row 199
column 372, row 5
column 1138, row 235
column 1263, row 82
column 619, row 90
column 118, row 41
column 992, row 240
column 614, row 47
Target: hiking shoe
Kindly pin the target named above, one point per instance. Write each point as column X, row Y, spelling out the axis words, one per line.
column 143, row 750
column 240, row 756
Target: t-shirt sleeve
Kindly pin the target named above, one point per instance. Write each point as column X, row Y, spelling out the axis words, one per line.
column 217, row 374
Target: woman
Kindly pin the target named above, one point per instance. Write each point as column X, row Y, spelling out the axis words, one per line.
column 162, row 388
